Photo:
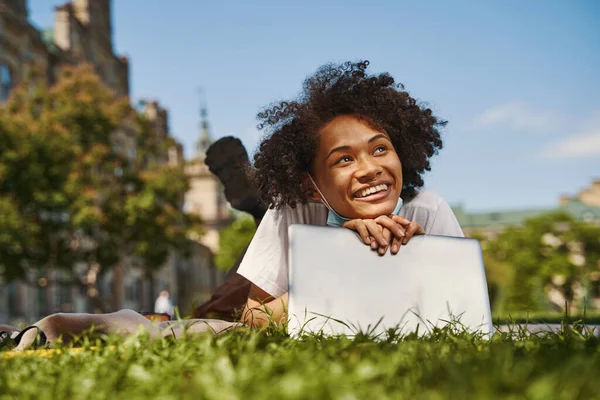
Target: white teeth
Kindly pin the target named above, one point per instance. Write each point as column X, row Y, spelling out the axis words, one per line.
column 373, row 189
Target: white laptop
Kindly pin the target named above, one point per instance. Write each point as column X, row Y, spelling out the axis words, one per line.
column 338, row 285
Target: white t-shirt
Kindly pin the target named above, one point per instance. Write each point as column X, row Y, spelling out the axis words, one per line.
column 265, row 261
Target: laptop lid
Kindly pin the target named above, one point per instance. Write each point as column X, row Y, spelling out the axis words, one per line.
column 334, row 276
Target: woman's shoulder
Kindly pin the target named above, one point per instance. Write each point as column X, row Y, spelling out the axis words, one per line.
column 433, row 213
column 312, row 213
column 426, row 199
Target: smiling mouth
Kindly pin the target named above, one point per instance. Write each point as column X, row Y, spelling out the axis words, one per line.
column 374, row 192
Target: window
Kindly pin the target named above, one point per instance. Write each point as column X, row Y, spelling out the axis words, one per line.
column 5, row 82
column 116, row 147
column 588, row 216
column 131, row 153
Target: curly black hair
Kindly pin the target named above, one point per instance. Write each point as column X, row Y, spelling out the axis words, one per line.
column 292, row 127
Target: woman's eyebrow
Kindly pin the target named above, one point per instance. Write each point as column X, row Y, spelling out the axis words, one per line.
column 339, row 148
column 380, row 136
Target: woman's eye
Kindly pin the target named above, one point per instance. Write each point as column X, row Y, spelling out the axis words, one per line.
column 380, row 149
column 344, row 159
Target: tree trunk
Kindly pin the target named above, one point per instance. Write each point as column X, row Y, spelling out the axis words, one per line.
column 117, row 285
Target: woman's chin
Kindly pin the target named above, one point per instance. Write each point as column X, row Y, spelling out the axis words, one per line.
column 372, row 211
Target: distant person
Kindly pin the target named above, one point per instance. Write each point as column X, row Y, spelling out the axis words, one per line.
column 163, row 304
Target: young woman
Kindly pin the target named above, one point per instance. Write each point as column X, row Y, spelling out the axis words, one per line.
column 350, row 152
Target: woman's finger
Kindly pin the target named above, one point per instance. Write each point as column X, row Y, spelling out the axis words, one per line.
column 376, row 231
column 359, row 226
column 390, row 224
column 401, row 220
column 396, row 243
column 387, row 235
column 413, row 229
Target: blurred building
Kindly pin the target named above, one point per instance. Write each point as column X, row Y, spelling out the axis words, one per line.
column 82, row 33
column 584, row 206
column 21, row 46
column 206, row 197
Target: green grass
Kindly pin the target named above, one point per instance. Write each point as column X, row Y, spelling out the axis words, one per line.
column 587, row 317
column 248, row 364
column 543, row 319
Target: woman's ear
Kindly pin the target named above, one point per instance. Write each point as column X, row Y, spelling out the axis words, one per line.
column 311, row 192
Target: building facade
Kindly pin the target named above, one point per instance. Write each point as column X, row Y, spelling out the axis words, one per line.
column 584, row 206
column 21, row 46
column 82, row 33
column 206, row 197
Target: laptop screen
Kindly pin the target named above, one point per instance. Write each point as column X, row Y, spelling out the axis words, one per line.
column 337, row 285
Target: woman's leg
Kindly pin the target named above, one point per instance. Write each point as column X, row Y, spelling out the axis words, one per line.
column 70, row 325
column 176, row 328
column 123, row 323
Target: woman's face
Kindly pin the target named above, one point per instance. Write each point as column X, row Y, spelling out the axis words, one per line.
column 357, row 169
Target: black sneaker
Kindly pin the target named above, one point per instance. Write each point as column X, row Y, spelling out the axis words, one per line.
column 14, row 338
column 228, row 160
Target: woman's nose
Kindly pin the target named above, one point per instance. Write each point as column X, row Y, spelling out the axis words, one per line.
column 368, row 170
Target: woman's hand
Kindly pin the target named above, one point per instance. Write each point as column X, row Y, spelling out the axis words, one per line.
column 382, row 231
column 412, row 228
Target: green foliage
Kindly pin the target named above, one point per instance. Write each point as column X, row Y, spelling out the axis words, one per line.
column 550, row 254
column 15, row 237
column 544, row 318
column 498, row 273
column 233, row 240
column 251, row 364
column 64, row 182
column 153, row 217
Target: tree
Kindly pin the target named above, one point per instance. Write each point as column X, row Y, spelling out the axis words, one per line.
column 498, row 273
column 555, row 259
column 154, row 221
column 36, row 158
column 70, row 197
column 233, row 240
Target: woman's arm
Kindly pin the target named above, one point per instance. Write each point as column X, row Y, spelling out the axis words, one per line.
column 261, row 307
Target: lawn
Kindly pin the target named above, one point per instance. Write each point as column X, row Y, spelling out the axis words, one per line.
column 246, row 364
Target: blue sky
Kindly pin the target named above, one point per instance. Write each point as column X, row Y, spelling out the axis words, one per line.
column 519, row 82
